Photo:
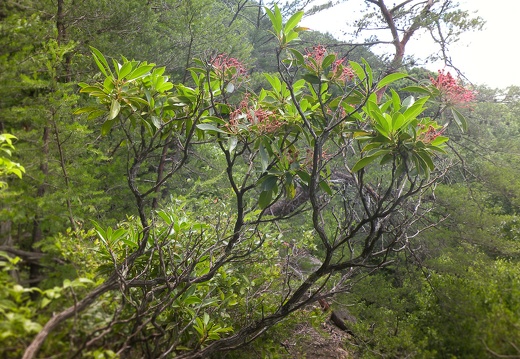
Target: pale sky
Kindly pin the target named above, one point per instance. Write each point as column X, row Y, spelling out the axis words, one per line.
column 490, row 57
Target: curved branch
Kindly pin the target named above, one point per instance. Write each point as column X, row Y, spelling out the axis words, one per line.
column 55, row 321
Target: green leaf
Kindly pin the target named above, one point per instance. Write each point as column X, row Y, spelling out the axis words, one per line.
column 426, row 158
column 439, row 140
column 414, row 110
column 108, row 85
column 81, row 110
column 125, row 70
column 293, row 21
column 115, row 107
column 156, row 121
column 396, row 101
column 304, row 176
column 417, row 89
column 31, row 327
column 290, row 190
column 139, row 72
column 117, row 66
column 365, row 161
column 386, row 106
column 129, row 243
column 358, row 70
column 381, row 123
column 17, row 171
column 325, row 187
column 275, row 82
column 312, row 79
column 44, row 302
column 166, row 217
column 192, row 300
column 265, row 199
column 84, row 280
column 210, row 127
column 398, row 120
column 409, row 101
column 460, row 120
column 368, row 71
column 269, row 183
column 95, row 114
column 232, row 143
column 328, row 60
column 214, row 119
column 164, row 87
column 290, row 37
column 388, row 79
column 298, row 56
column 107, row 126
column 276, row 19
column 100, row 60
column 437, row 149
column 91, row 89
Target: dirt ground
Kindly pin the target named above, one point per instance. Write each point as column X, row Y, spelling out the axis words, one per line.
column 306, row 342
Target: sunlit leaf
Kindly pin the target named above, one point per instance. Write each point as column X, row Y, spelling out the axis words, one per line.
column 209, row 127
column 139, row 72
column 230, row 88
column 328, row 60
column 100, row 60
column 232, row 143
column 115, row 107
column 388, row 79
column 293, row 21
column 409, row 101
column 125, row 70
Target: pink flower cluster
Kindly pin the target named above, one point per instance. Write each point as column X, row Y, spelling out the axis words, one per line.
column 264, row 120
column 341, row 72
column 317, row 54
column 451, row 91
column 228, row 68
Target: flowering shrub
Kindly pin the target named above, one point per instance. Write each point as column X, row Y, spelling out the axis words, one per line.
column 292, row 137
column 451, row 91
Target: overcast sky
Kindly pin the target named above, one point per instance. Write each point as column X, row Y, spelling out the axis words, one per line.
column 490, row 57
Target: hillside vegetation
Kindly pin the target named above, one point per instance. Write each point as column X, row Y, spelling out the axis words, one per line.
column 208, row 179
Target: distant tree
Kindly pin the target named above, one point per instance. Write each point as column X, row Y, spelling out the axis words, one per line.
column 396, row 23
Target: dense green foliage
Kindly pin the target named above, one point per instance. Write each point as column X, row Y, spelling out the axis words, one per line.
column 183, row 209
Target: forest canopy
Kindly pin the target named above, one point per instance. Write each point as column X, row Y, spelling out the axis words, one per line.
column 209, row 179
